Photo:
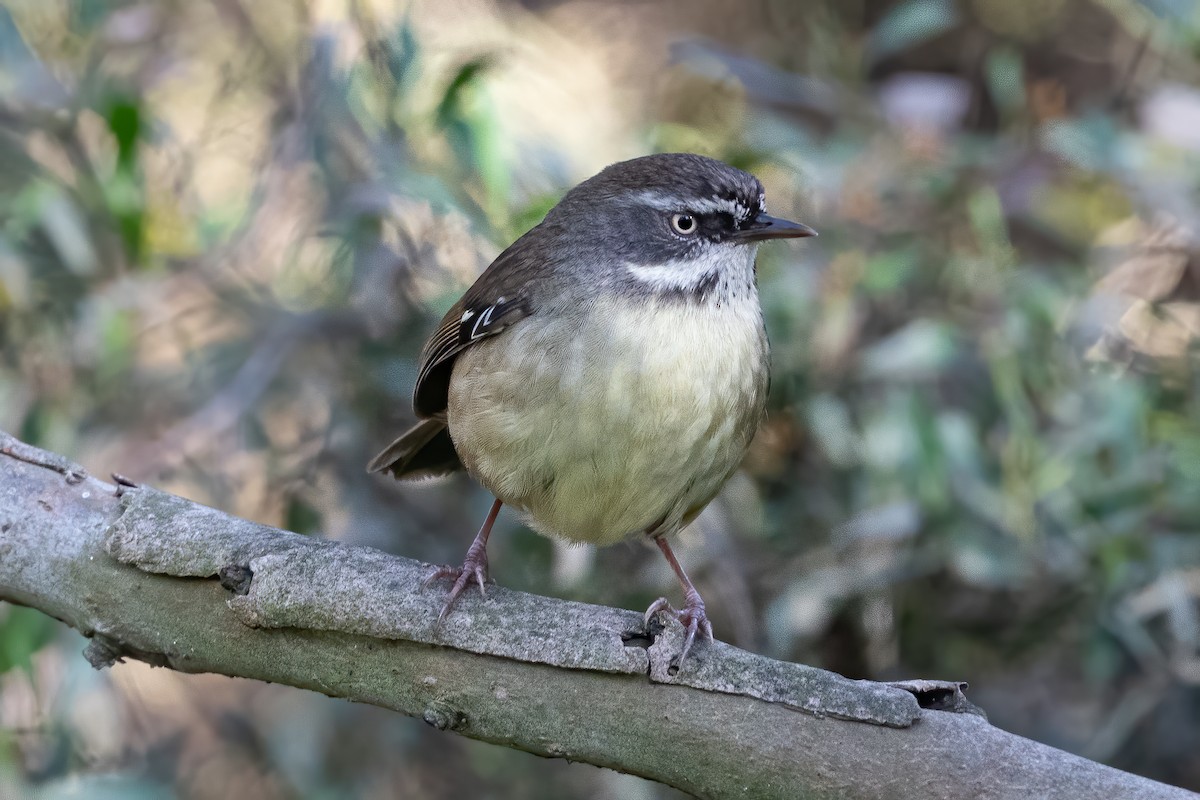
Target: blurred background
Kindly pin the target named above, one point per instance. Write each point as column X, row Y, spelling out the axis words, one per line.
column 227, row 227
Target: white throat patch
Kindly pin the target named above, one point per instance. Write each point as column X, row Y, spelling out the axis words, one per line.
column 731, row 264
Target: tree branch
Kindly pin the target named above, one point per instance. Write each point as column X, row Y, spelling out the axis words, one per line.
column 155, row 577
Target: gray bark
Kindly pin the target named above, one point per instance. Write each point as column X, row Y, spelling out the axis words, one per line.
column 156, row 577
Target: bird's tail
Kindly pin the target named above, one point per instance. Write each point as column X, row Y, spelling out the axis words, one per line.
column 423, row 451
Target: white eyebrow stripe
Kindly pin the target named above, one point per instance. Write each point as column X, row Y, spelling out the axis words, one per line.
column 658, row 200
column 713, row 205
column 718, row 205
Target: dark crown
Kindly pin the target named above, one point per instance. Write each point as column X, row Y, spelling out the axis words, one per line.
column 683, row 178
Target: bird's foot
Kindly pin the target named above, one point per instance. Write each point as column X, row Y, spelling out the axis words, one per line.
column 475, row 566
column 692, row 616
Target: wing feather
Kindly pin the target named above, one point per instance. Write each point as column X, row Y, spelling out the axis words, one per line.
column 498, row 299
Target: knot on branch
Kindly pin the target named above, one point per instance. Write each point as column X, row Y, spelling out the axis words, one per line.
column 236, row 578
column 941, row 696
column 104, row 651
column 444, row 717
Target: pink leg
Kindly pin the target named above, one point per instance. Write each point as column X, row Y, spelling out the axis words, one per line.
column 692, row 614
column 475, row 565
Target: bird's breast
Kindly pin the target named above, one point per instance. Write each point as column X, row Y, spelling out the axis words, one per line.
column 619, row 418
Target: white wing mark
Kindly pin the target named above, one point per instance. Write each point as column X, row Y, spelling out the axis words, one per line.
column 485, row 319
column 498, row 314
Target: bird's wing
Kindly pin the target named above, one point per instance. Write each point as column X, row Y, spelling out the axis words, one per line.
column 499, row 298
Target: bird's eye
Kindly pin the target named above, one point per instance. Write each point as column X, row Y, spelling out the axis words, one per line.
column 684, row 224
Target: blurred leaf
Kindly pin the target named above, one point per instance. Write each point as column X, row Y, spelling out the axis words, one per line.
column 125, row 122
column 123, row 193
column 117, row 343
column 15, row 283
column 1178, row 11
column 1080, row 207
column 451, row 110
column 958, row 437
column 86, row 16
column 1089, row 142
column 470, row 123
column 35, row 426
column 1154, row 258
column 23, row 632
column 1005, row 73
column 1182, row 436
column 301, row 517
column 123, row 190
column 103, row 787
column 889, row 442
column 919, row 350
column 67, row 230
column 531, row 214
column 15, row 54
column 909, row 24
column 888, row 270
column 829, row 420
column 890, row 522
column 404, row 56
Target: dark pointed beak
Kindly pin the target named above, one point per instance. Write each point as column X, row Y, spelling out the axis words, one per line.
column 765, row 227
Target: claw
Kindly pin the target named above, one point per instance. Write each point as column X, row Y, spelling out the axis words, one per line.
column 692, row 616
column 475, row 565
column 661, row 604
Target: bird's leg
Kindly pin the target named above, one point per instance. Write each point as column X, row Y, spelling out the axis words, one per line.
column 692, row 614
column 475, row 565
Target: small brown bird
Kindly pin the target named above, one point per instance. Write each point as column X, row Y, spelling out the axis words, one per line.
column 607, row 372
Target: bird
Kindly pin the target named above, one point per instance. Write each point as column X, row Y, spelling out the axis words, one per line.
column 604, row 376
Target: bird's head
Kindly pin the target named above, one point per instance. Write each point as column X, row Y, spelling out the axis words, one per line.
column 675, row 223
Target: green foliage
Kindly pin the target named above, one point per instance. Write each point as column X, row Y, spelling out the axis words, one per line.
column 122, row 190
column 23, row 632
column 910, row 23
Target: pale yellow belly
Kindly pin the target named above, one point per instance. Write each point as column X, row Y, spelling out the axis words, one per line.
column 629, row 421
